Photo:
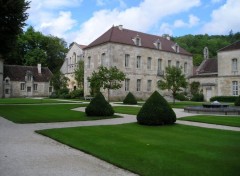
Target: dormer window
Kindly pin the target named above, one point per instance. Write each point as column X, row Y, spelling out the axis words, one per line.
column 7, row 80
column 176, row 48
column 137, row 41
column 158, row 44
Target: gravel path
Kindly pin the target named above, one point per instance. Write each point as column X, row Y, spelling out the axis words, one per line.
column 25, row 153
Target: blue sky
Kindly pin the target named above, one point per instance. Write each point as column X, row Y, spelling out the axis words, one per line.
column 83, row 21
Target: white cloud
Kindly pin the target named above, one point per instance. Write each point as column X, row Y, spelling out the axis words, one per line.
column 192, row 21
column 166, row 29
column 224, row 19
column 142, row 17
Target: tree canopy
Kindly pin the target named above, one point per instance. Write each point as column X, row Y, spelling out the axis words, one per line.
column 12, row 19
column 173, row 80
column 107, row 78
column 79, row 74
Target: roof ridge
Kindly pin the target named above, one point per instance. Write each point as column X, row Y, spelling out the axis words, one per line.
column 112, row 28
column 228, row 45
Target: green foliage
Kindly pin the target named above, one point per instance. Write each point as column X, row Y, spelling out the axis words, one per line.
column 99, row 107
column 79, row 74
column 130, row 99
column 224, row 98
column 199, row 97
column 156, row 111
column 12, row 19
column 237, row 102
column 194, row 87
column 107, row 78
column 173, row 80
column 181, row 97
column 59, row 81
column 76, row 93
column 196, row 43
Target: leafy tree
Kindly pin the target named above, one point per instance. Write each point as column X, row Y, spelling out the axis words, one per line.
column 107, row 78
column 194, row 87
column 173, row 80
column 79, row 74
column 59, row 81
column 12, row 19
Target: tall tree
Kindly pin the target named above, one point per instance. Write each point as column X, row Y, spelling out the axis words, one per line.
column 79, row 74
column 59, row 81
column 107, row 78
column 173, row 80
column 12, row 19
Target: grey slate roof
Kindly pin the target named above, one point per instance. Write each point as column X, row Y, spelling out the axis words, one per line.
column 233, row 46
column 126, row 36
column 18, row 73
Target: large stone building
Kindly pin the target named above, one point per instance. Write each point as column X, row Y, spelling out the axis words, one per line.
column 142, row 57
column 74, row 55
column 24, row 81
column 220, row 76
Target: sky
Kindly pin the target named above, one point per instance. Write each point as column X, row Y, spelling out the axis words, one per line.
column 83, row 21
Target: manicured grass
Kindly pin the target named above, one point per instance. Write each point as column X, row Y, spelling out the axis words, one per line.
column 219, row 120
column 126, row 109
column 45, row 113
column 151, row 150
column 31, row 101
column 183, row 104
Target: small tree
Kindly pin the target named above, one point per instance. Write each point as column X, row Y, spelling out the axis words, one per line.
column 194, row 87
column 173, row 80
column 59, row 81
column 108, row 78
column 79, row 74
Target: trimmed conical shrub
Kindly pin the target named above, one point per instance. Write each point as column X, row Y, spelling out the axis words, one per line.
column 237, row 102
column 130, row 99
column 99, row 107
column 156, row 111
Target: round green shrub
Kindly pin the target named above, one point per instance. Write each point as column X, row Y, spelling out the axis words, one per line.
column 237, row 102
column 130, row 99
column 99, row 107
column 156, row 111
column 199, row 97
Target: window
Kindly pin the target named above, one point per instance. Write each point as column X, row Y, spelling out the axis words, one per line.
column 138, row 61
column 35, row 86
column 138, row 84
column 159, row 64
column 138, row 41
column 185, row 67
column 89, row 62
column 177, row 64
column 29, row 89
column 235, row 88
column 149, row 63
column 149, row 85
column 103, row 59
column 74, row 58
column 177, row 48
column 127, row 60
column 70, row 60
column 169, row 63
column 158, row 45
column 29, row 77
column 234, row 65
column 6, row 81
column 22, row 86
column 50, row 89
column 127, row 82
column 6, row 91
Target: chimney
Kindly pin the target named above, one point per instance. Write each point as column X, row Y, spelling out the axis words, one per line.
column 166, row 36
column 39, row 69
column 120, row 27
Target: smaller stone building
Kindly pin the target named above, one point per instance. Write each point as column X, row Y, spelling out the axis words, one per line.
column 26, row 81
column 74, row 55
column 220, row 76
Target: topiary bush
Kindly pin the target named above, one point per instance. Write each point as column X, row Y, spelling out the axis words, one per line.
column 99, row 107
column 156, row 111
column 130, row 99
column 199, row 97
column 237, row 102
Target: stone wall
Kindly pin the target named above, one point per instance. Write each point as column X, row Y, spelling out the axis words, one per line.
column 1, row 78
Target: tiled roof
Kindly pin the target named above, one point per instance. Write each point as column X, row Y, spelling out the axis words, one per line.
column 126, row 36
column 233, row 46
column 210, row 66
column 18, row 73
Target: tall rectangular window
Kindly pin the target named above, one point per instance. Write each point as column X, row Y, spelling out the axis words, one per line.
column 103, row 59
column 185, row 67
column 149, row 63
column 29, row 77
column 159, row 64
column 89, row 62
column 127, row 82
column 138, row 84
column 35, row 86
column 138, row 61
column 234, row 65
column 50, row 89
column 127, row 60
column 177, row 64
column 169, row 63
column 149, row 85
column 22, row 86
column 235, row 88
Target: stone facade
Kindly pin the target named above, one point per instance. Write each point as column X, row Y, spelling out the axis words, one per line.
column 143, row 66
column 74, row 55
column 225, row 79
column 1, row 78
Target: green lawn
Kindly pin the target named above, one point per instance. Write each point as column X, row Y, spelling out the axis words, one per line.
column 45, row 113
column 32, row 101
column 126, row 109
column 151, row 150
column 219, row 120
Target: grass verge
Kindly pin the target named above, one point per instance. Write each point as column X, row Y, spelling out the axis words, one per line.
column 45, row 113
column 219, row 120
column 126, row 110
column 34, row 101
column 166, row 150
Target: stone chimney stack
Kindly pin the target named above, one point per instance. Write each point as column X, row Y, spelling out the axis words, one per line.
column 39, row 68
column 120, row 27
